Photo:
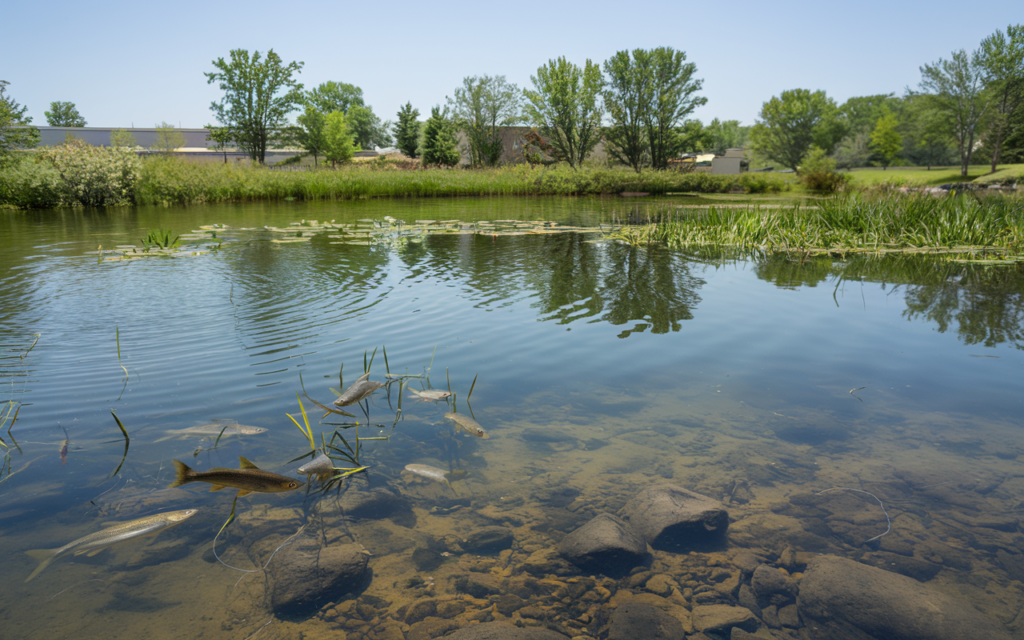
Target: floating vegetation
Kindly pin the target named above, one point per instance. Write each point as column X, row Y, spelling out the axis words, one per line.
column 159, row 239
column 159, row 244
column 392, row 232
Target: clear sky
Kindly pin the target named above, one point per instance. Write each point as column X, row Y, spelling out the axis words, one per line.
column 125, row 63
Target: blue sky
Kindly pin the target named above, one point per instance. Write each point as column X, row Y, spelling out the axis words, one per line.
column 141, row 63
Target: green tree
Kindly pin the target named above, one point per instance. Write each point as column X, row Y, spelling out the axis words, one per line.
column 222, row 138
column 123, row 138
column 853, row 151
column 335, row 96
column 628, row 96
column 694, row 137
column 439, row 144
column 673, row 99
column 366, row 127
column 956, row 91
column 64, row 114
column 1002, row 58
column 886, row 140
column 16, row 130
column 311, row 132
column 729, row 134
column 565, row 105
column 481, row 106
column 258, row 96
column 791, row 123
column 407, row 130
column 168, row 138
column 338, row 144
column 862, row 112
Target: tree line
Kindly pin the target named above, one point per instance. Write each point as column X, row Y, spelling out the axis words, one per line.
column 639, row 102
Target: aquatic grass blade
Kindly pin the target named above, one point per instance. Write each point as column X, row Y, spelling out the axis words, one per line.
column 127, row 441
column 33, row 345
column 387, row 367
column 470, row 394
column 217, row 441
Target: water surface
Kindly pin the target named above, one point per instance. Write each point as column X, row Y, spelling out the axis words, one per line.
column 602, row 369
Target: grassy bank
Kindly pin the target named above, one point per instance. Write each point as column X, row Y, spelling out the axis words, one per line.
column 898, row 222
column 34, row 184
column 924, row 177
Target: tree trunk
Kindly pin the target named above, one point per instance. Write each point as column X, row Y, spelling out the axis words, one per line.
column 999, row 143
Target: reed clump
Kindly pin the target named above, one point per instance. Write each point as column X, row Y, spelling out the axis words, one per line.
column 853, row 222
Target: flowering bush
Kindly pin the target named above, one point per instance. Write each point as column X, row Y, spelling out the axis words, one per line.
column 93, row 176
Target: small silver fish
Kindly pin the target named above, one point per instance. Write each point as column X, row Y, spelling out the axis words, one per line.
column 320, row 466
column 435, row 474
column 360, row 389
column 429, row 395
column 467, row 424
column 96, row 542
column 214, row 429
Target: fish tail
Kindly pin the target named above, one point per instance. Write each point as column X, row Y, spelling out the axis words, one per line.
column 44, row 556
column 183, row 474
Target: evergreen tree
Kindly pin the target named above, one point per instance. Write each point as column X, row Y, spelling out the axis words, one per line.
column 407, row 130
column 439, row 144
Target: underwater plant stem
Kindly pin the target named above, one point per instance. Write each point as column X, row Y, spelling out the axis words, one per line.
column 888, row 520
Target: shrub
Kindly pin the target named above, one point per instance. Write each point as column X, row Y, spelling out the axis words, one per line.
column 763, row 183
column 30, row 184
column 818, row 172
column 93, row 176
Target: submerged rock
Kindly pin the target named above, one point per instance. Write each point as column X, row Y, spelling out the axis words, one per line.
column 634, row 620
column 720, row 618
column 671, row 518
column 772, row 587
column 606, row 544
column 504, row 631
column 303, row 576
column 369, row 503
column 838, row 595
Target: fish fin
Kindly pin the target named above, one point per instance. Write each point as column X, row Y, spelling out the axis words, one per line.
column 90, row 554
column 243, row 492
column 44, row 556
column 217, row 487
column 243, row 463
column 485, row 436
column 182, row 472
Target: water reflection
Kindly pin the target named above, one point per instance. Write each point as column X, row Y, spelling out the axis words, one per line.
column 982, row 304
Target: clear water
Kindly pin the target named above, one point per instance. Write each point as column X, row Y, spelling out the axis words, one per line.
column 758, row 380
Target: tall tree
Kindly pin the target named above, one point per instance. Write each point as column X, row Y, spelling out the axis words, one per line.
column 366, row 127
column 16, row 130
column 886, row 140
column 311, row 132
column 123, row 138
column 956, row 89
column 791, row 123
column 862, row 112
column 64, row 114
column 565, row 105
column 481, row 106
column 729, row 134
column 338, row 144
column 407, row 130
column 1002, row 58
column 168, row 138
column 673, row 96
column 693, row 137
column 258, row 96
column 439, row 144
column 628, row 96
column 221, row 137
column 335, row 96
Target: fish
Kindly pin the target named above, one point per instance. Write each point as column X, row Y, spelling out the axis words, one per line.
column 247, row 478
column 435, row 474
column 359, row 390
column 430, row 395
column 467, row 424
column 119, row 532
column 214, row 429
column 64, row 453
column 320, row 466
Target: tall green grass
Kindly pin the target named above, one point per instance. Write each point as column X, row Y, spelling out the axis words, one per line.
column 846, row 223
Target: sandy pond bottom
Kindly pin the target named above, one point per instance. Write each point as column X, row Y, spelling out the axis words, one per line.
column 953, row 503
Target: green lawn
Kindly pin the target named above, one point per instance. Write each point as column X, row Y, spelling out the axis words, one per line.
column 921, row 176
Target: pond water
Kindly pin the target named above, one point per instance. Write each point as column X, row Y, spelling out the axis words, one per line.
column 596, row 369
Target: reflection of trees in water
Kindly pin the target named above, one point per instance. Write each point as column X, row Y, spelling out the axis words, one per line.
column 983, row 303
column 571, row 278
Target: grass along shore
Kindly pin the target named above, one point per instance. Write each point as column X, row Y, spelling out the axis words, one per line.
column 841, row 224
